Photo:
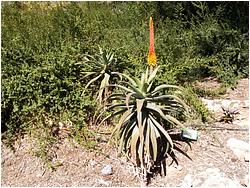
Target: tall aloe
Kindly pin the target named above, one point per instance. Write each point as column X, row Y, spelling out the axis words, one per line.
column 147, row 115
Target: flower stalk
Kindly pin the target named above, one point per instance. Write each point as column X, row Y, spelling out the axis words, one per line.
column 151, row 56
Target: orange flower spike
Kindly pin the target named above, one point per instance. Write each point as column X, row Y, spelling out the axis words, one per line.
column 151, row 55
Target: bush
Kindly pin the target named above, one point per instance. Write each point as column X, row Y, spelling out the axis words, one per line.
column 48, row 83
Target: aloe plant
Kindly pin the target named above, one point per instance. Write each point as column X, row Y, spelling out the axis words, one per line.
column 101, row 69
column 146, row 117
column 229, row 113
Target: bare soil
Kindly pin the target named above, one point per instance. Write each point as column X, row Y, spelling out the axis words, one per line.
column 78, row 166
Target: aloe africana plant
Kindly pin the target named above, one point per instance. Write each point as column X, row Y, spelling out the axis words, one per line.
column 145, row 121
column 100, row 68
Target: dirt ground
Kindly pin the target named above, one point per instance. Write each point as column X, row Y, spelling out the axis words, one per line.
column 81, row 167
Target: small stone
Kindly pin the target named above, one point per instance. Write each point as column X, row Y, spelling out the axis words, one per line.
column 107, row 170
column 233, row 159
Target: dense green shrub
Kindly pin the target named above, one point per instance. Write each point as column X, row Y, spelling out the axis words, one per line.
column 47, row 83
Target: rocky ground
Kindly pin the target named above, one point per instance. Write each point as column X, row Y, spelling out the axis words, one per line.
column 219, row 158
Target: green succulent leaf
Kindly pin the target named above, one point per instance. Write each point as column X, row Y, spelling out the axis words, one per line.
column 127, row 115
column 162, row 130
column 168, row 118
column 153, row 138
column 153, row 74
column 139, row 104
column 128, row 96
column 134, row 140
column 122, row 87
column 91, row 81
column 163, row 86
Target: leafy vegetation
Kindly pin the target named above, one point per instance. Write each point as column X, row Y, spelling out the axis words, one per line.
column 45, row 45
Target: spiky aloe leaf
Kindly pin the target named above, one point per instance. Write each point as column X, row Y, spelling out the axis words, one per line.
column 119, row 105
column 127, row 114
column 153, row 74
column 147, row 140
column 162, row 97
column 103, row 87
column 121, row 87
column 127, row 143
column 131, row 80
column 128, row 96
column 161, row 87
column 136, row 89
column 134, row 140
column 162, row 130
column 91, row 81
column 142, row 139
column 143, row 79
column 88, row 74
column 139, row 105
column 153, row 138
column 168, row 118
column 110, row 116
column 125, row 134
column 115, row 95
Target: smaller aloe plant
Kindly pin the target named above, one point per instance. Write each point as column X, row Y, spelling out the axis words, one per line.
column 147, row 115
column 101, row 70
column 229, row 113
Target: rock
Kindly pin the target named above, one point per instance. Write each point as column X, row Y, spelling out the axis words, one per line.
column 239, row 148
column 107, row 170
column 215, row 105
column 219, row 181
column 211, row 177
